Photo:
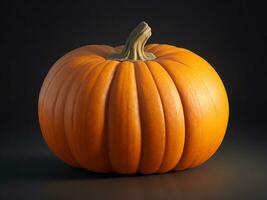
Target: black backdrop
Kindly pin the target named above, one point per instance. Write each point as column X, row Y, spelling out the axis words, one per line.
column 34, row 34
column 231, row 36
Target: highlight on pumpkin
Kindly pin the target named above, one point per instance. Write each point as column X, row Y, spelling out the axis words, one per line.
column 133, row 109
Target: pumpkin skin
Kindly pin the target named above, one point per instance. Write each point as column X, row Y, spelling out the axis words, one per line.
column 146, row 116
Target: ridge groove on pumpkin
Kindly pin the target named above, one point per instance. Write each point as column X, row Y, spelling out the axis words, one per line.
column 152, row 127
column 98, row 93
column 80, row 115
column 106, row 128
column 83, row 71
column 198, row 154
column 174, row 117
column 74, row 136
column 212, row 144
column 53, row 74
column 190, row 164
column 164, row 117
column 106, row 99
column 139, row 117
column 62, row 91
column 124, row 126
column 53, row 143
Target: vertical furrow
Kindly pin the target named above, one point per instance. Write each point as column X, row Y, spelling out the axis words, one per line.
column 55, row 73
column 152, row 120
column 73, row 91
column 192, row 114
column 74, row 57
column 75, row 113
column 173, row 114
column 47, row 112
column 56, row 70
column 203, row 123
column 58, row 117
column 124, row 132
column 217, row 99
column 89, row 120
column 67, row 97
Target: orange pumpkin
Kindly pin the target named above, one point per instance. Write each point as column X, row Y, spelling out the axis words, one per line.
column 134, row 108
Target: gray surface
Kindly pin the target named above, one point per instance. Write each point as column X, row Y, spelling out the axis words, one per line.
column 237, row 171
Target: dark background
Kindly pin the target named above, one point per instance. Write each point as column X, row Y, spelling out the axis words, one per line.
column 231, row 36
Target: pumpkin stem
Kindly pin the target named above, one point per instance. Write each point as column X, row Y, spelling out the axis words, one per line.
column 134, row 46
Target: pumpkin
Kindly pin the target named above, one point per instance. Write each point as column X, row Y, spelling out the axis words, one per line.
column 133, row 108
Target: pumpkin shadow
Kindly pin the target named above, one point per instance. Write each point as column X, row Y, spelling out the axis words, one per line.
column 46, row 168
column 52, row 173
